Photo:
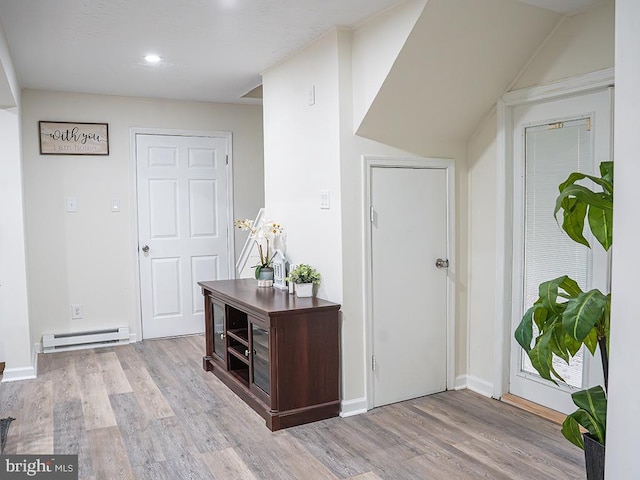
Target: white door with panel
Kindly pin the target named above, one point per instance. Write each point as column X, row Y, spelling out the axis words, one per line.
column 182, row 228
column 551, row 140
column 409, row 292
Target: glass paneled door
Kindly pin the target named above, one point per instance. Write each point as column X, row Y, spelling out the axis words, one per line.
column 261, row 366
column 551, row 140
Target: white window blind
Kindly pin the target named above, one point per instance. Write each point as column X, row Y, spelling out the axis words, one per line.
column 552, row 152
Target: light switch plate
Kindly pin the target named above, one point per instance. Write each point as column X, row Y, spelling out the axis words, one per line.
column 325, row 202
column 312, row 95
column 72, row 204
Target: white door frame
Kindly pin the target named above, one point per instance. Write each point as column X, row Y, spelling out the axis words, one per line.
column 504, row 213
column 370, row 162
column 134, row 202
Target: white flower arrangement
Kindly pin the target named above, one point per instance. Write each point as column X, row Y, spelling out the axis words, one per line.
column 265, row 237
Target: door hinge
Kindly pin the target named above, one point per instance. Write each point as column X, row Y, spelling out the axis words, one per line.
column 588, row 124
column 373, row 362
column 227, row 160
column 553, row 126
column 371, row 214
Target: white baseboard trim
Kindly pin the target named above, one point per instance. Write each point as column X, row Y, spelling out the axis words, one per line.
column 474, row 384
column 480, row 386
column 35, row 351
column 348, row 408
column 133, row 338
column 15, row 374
column 460, row 383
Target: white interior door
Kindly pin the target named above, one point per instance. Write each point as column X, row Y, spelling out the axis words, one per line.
column 551, row 140
column 183, row 228
column 409, row 293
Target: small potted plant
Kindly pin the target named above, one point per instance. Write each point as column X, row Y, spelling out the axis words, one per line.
column 305, row 277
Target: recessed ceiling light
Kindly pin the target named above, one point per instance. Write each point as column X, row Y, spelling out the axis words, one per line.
column 152, row 58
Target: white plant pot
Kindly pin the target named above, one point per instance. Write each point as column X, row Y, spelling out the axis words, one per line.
column 304, row 289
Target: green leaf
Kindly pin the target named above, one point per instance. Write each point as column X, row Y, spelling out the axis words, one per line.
column 557, row 342
column 583, row 313
column 540, row 317
column 591, row 341
column 257, row 273
column 571, row 431
column 548, row 292
column 570, row 286
column 606, row 172
column 605, row 183
column 594, row 401
column 574, row 215
column 541, row 356
column 592, row 412
column 601, row 224
column 585, row 195
column 524, row 332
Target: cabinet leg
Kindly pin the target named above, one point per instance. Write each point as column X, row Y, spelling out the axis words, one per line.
column 206, row 365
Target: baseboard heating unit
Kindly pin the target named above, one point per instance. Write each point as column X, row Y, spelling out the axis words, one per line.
column 59, row 342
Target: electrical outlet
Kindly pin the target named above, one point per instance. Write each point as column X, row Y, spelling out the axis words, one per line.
column 76, row 311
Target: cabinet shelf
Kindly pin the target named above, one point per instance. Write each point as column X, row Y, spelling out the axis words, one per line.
column 239, row 334
column 238, row 352
column 241, row 374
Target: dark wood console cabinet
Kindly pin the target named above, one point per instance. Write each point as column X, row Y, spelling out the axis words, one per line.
column 277, row 352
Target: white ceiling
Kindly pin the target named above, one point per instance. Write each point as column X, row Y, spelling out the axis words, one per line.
column 212, row 50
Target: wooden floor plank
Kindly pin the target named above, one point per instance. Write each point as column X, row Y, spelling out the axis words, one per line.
column 109, row 455
column 36, row 424
column 71, row 435
column 149, row 411
column 95, row 402
column 151, row 401
column 113, row 376
column 227, row 464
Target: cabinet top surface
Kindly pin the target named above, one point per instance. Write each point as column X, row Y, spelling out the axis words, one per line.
column 269, row 300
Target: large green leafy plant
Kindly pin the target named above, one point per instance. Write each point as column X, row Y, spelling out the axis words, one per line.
column 565, row 317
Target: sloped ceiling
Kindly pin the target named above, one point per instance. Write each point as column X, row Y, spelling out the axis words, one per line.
column 458, row 60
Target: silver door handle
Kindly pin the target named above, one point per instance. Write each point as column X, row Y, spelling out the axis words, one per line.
column 145, row 248
column 440, row 263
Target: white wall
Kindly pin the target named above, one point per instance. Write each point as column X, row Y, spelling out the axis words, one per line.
column 623, row 420
column 15, row 344
column 482, row 252
column 88, row 257
column 302, row 157
column 550, row 64
column 583, row 43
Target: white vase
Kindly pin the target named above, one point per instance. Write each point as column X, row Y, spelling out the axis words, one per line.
column 304, row 289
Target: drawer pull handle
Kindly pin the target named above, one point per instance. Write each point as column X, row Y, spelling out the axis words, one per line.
column 246, row 353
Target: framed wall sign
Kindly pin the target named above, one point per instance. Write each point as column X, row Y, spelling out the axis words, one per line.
column 67, row 138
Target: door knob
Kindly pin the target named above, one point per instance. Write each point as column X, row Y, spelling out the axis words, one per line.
column 440, row 263
column 145, row 248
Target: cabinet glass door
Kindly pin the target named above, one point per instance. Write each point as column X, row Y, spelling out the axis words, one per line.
column 218, row 331
column 261, row 358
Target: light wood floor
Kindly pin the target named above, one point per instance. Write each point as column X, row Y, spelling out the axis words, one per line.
column 148, row 410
